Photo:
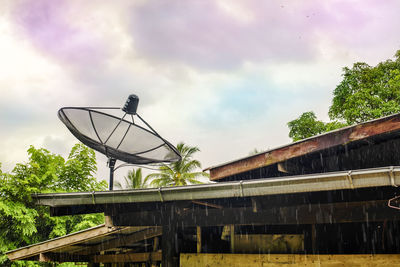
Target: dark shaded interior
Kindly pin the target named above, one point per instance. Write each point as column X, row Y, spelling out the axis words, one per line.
column 372, row 152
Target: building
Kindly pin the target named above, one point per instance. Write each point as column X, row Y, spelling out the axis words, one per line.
column 330, row 199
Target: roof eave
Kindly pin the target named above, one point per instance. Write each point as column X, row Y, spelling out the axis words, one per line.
column 377, row 177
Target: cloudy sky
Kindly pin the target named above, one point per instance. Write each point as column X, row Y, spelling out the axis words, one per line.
column 225, row 76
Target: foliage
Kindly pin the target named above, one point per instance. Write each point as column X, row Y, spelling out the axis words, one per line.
column 181, row 172
column 307, row 125
column 23, row 223
column 134, row 180
column 367, row 92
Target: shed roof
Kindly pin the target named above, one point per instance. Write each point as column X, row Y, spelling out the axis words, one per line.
column 321, row 153
column 82, row 245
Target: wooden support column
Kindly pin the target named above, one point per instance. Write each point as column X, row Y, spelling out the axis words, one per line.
column 169, row 242
column 155, row 249
column 198, row 228
column 169, row 246
column 108, row 221
column 313, row 239
column 232, row 239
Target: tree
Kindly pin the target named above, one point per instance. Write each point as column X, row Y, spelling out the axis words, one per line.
column 365, row 93
column 181, row 172
column 134, row 180
column 307, row 125
column 21, row 221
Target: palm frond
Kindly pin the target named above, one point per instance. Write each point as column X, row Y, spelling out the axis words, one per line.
column 180, row 172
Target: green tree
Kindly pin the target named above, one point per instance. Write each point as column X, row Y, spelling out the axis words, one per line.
column 181, row 172
column 21, row 221
column 134, row 180
column 367, row 92
column 364, row 93
column 305, row 126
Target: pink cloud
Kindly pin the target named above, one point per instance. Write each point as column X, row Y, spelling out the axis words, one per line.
column 201, row 34
column 47, row 24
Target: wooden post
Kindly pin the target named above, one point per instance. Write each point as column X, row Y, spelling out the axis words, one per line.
column 108, row 221
column 198, row 228
column 169, row 242
column 169, row 246
column 155, row 249
column 232, row 232
column 313, row 239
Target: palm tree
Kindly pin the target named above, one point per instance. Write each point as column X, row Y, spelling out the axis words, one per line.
column 181, row 172
column 134, row 180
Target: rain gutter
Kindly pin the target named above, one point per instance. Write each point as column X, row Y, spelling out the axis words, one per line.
column 377, row 177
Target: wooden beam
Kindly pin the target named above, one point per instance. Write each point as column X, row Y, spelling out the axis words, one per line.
column 123, row 240
column 207, row 204
column 302, row 214
column 278, row 260
column 318, row 143
column 63, row 257
column 128, row 257
column 58, row 243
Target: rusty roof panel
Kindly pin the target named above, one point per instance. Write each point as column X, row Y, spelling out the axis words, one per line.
column 318, row 143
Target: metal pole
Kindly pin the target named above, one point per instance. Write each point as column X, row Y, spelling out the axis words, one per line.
column 111, row 165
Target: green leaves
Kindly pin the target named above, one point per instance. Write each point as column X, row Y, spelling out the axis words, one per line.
column 307, row 125
column 23, row 223
column 19, row 213
column 181, row 172
column 367, row 92
column 78, row 171
column 134, row 180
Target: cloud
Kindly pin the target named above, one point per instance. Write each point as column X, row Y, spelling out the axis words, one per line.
column 210, row 35
column 226, row 76
column 57, row 28
column 206, row 35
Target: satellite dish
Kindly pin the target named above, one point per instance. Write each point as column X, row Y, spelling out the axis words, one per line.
column 119, row 138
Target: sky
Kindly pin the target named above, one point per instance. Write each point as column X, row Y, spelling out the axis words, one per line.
column 225, row 76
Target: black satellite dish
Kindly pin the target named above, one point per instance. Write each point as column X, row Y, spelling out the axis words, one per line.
column 119, row 138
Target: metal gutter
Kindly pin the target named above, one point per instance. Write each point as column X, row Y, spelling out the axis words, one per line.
column 377, row 177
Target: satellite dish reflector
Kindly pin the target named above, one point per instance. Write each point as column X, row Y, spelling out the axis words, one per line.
column 118, row 138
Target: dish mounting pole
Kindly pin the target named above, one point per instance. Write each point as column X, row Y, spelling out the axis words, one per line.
column 111, row 165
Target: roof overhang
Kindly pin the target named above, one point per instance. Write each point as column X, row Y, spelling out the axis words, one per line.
column 83, row 245
column 377, row 177
column 348, row 136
